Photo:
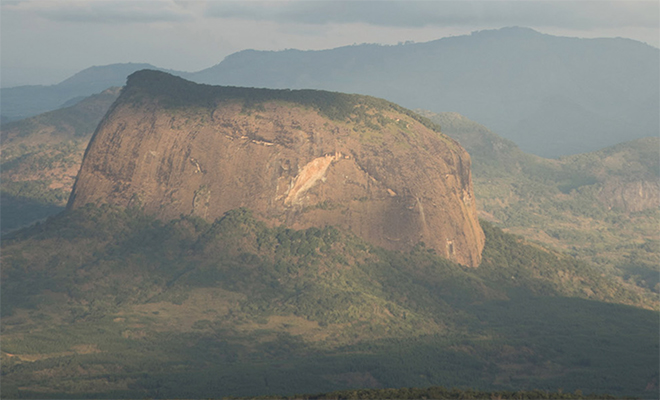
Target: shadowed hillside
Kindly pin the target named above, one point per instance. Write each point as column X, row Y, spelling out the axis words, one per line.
column 41, row 157
column 104, row 302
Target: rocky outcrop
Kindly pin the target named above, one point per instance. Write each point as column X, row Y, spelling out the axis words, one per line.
column 299, row 158
column 631, row 196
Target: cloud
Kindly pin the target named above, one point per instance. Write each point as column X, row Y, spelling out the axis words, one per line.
column 409, row 14
column 103, row 11
column 564, row 14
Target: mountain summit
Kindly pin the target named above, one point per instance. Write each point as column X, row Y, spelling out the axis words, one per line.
column 301, row 158
column 551, row 95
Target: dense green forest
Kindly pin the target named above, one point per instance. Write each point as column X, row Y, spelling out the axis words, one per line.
column 103, row 302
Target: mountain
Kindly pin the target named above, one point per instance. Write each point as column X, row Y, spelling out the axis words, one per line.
column 77, row 120
column 601, row 206
column 300, row 158
column 26, row 101
column 551, row 95
column 523, row 193
column 113, row 303
column 492, row 155
column 157, row 292
column 526, row 194
column 41, row 156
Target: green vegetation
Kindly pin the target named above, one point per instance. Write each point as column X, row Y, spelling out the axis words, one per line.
column 104, row 302
column 175, row 92
column 573, row 204
column 40, row 157
column 22, row 203
column 28, row 172
column 438, row 392
column 28, row 160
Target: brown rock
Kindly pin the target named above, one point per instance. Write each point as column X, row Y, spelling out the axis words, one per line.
column 631, row 196
column 299, row 158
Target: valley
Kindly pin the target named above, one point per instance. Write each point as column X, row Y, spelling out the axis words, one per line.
column 174, row 239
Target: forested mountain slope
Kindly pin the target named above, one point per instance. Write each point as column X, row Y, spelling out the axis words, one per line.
column 104, row 302
column 601, row 207
column 41, row 156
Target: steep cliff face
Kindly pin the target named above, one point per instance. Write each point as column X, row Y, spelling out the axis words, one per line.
column 299, row 158
column 631, row 196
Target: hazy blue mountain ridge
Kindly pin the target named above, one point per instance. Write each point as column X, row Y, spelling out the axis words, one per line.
column 551, row 95
column 41, row 155
column 25, row 101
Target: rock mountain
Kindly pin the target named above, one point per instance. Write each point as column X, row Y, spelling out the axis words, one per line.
column 301, row 158
column 551, row 95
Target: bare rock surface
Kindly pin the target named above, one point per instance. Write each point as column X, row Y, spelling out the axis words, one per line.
column 300, row 158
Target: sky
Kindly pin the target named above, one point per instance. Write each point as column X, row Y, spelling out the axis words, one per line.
column 46, row 41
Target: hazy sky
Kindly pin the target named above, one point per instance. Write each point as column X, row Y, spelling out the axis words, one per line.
column 46, row 41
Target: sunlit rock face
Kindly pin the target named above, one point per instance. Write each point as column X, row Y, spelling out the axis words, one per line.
column 298, row 158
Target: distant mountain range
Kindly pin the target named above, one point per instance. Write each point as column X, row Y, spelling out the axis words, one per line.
column 551, row 95
column 26, row 101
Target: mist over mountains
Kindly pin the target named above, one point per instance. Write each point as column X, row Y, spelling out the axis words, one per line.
column 26, row 101
column 232, row 241
column 551, row 95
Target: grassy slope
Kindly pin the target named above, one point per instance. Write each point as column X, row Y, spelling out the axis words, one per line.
column 41, row 157
column 559, row 203
column 104, row 302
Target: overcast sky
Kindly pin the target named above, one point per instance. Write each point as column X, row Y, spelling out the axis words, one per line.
column 46, row 41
